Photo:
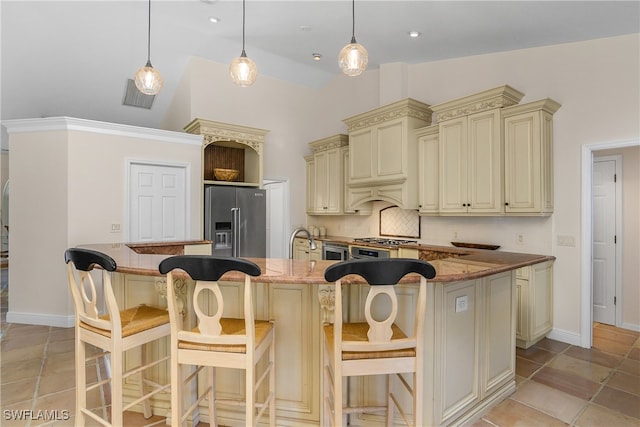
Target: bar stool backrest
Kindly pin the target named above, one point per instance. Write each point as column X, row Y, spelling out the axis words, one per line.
column 206, row 270
column 382, row 275
column 86, row 298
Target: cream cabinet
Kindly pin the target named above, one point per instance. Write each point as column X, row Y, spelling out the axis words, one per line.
column 534, row 290
column 471, row 165
column 310, row 169
column 324, row 177
column 383, row 162
column 301, row 249
column 428, row 170
column 528, row 134
column 362, row 209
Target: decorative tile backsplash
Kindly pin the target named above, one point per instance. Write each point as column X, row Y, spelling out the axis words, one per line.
column 398, row 222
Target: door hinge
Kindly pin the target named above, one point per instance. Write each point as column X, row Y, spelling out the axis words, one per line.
column 615, row 240
column 615, row 300
column 615, row 177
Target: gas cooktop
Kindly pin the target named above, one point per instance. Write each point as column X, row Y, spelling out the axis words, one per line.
column 383, row 242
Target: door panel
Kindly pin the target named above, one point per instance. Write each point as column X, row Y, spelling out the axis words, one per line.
column 604, row 249
column 157, row 202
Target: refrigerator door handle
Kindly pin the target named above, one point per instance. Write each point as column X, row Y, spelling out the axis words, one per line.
column 235, row 232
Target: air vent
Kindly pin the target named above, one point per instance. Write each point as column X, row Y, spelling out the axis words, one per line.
column 135, row 98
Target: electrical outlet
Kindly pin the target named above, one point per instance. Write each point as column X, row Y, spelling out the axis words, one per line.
column 462, row 303
column 455, row 235
column 520, row 239
column 115, row 227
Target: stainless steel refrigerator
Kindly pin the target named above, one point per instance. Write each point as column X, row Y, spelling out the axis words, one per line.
column 235, row 219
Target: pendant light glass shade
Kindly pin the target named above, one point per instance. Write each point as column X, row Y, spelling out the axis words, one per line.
column 148, row 79
column 353, row 58
column 243, row 70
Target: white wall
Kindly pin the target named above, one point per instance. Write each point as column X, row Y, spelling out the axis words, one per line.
column 68, row 180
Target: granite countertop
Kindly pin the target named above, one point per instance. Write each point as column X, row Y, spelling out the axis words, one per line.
column 470, row 264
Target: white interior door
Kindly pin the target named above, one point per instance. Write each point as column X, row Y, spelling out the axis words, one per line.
column 157, row 202
column 604, row 240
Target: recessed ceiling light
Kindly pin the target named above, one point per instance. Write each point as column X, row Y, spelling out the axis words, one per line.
column 316, row 56
column 214, row 19
column 305, row 28
column 209, row 1
column 414, row 34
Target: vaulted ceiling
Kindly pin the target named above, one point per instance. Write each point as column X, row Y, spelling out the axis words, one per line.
column 73, row 58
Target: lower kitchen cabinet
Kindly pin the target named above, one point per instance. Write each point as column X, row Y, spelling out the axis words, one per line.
column 301, row 249
column 534, row 291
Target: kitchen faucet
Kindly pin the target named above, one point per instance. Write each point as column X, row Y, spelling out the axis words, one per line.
column 294, row 233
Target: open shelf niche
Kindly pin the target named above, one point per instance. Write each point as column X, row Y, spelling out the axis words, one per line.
column 230, row 146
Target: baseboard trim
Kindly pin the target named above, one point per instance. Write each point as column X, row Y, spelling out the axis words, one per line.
column 565, row 336
column 631, row 326
column 41, row 319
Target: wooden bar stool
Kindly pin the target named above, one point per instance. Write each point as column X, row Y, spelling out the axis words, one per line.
column 219, row 342
column 114, row 333
column 374, row 347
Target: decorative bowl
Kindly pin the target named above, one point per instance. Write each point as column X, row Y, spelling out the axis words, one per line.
column 226, row 174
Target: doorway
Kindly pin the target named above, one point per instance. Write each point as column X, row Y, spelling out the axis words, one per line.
column 607, row 238
column 586, row 280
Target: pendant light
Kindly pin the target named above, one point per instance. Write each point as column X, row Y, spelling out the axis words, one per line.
column 148, row 79
column 353, row 57
column 243, row 70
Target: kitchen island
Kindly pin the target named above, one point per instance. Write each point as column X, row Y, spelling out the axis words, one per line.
column 469, row 338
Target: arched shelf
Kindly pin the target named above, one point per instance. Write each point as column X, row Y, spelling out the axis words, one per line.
column 230, row 146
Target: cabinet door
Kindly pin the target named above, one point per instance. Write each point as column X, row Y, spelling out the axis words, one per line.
column 321, row 182
column 296, row 312
column 361, row 150
column 522, row 163
column 391, row 150
column 457, row 350
column 311, row 185
column 498, row 355
column 541, row 291
column 428, row 172
column 453, row 165
column 333, row 197
column 485, row 164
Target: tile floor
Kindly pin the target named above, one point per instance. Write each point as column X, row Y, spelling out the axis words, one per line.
column 557, row 383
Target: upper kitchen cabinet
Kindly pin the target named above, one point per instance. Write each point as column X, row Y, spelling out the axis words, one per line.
column 327, row 169
column 231, row 154
column 528, row 135
column 428, row 170
column 383, row 162
column 325, row 179
column 471, row 152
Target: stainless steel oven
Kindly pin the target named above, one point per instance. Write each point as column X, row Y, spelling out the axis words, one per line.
column 335, row 251
column 358, row 252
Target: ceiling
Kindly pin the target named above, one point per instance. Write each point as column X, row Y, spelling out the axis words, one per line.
column 73, row 58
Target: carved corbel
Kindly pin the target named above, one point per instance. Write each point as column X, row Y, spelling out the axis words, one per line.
column 179, row 290
column 327, row 297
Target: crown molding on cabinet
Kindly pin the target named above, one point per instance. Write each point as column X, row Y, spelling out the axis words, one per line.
column 499, row 97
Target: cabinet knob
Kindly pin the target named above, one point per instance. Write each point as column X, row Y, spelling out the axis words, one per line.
column 506, row 203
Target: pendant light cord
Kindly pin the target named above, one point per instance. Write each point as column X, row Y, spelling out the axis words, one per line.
column 353, row 21
column 149, row 36
column 243, row 18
